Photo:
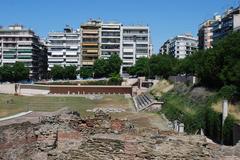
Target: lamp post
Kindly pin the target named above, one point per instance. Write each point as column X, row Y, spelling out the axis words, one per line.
column 224, row 116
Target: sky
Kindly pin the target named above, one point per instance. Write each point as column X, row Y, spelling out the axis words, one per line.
column 166, row 18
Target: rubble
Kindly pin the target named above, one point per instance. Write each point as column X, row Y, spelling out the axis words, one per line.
column 107, row 110
column 67, row 136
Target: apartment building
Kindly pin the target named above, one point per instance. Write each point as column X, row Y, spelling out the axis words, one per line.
column 97, row 39
column 135, row 44
column 64, row 48
column 165, row 47
column 205, row 34
column 181, row 46
column 213, row 29
column 90, row 42
column 19, row 44
column 229, row 21
column 110, row 39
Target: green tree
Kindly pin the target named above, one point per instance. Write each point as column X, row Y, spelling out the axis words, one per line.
column 57, row 72
column 114, row 64
column 115, row 79
column 86, row 72
column 131, row 70
column 70, row 72
column 6, row 73
column 217, row 66
column 228, row 50
column 20, row 72
column 100, row 68
column 141, row 67
column 228, row 130
column 228, row 92
column 162, row 65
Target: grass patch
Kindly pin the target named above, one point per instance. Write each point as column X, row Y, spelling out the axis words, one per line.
column 10, row 105
column 233, row 110
column 163, row 86
column 178, row 107
column 198, row 115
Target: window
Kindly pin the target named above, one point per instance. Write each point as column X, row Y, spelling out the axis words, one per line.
column 141, row 45
column 127, row 45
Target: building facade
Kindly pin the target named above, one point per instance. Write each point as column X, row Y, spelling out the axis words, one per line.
column 90, row 42
column 97, row 39
column 214, row 29
column 180, row 46
column 110, row 39
column 205, row 34
column 165, row 47
column 101, row 40
column 229, row 21
column 19, row 44
column 64, row 48
column 135, row 44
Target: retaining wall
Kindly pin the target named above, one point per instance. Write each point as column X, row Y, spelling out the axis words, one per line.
column 72, row 89
column 90, row 90
column 236, row 133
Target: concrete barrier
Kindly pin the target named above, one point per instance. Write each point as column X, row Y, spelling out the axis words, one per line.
column 34, row 86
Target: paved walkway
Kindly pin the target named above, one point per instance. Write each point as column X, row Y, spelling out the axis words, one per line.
column 15, row 116
column 32, row 117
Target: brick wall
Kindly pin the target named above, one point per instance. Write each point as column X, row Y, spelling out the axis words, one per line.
column 26, row 140
column 90, row 90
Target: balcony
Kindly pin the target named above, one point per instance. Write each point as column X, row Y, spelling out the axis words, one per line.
column 24, row 60
column 89, row 44
column 87, row 62
column 90, row 36
column 127, row 56
column 72, row 60
column 90, row 31
column 92, row 51
column 90, row 55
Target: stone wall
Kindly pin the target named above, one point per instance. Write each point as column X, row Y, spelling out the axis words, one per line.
column 183, row 79
column 68, row 136
column 17, row 135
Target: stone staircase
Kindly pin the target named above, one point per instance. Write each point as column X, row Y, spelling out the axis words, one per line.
column 143, row 101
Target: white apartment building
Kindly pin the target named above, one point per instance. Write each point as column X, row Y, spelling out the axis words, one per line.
column 135, row 44
column 226, row 23
column 64, row 48
column 19, row 44
column 181, row 46
column 165, row 47
column 110, row 39
column 96, row 39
